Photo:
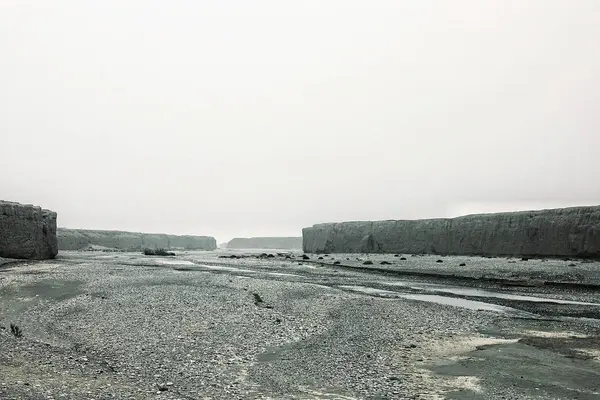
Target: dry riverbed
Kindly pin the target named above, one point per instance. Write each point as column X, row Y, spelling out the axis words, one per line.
column 201, row 326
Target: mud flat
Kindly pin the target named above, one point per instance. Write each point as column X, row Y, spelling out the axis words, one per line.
column 566, row 232
column 200, row 326
column 81, row 239
column 27, row 231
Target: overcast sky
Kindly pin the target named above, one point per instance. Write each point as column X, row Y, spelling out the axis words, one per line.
column 248, row 118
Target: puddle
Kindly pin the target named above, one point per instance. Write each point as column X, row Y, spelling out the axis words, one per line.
column 173, row 262
column 438, row 299
column 555, row 335
column 234, row 269
column 462, row 303
column 224, row 268
column 430, row 287
column 368, row 290
column 281, row 274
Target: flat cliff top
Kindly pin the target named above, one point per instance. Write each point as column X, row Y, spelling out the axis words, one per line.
column 117, row 232
column 557, row 211
column 6, row 205
column 268, row 238
column 267, row 242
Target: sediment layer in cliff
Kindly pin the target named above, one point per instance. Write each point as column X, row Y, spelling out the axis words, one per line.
column 565, row 232
column 27, row 231
column 79, row 239
column 284, row 243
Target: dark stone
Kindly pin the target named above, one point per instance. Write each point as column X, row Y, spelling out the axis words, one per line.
column 439, row 261
column 368, row 262
column 257, row 298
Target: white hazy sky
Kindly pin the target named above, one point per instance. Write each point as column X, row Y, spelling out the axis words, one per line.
column 248, row 118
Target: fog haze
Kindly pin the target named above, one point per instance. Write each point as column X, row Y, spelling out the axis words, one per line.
column 236, row 118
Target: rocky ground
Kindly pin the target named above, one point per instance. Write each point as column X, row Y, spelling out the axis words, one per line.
column 532, row 272
column 246, row 325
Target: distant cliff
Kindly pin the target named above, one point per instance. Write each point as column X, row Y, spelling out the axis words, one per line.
column 557, row 232
column 78, row 239
column 27, row 231
column 284, row 243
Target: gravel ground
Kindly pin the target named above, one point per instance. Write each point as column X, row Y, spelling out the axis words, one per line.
column 576, row 271
column 200, row 326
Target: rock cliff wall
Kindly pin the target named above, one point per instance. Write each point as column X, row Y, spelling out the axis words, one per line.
column 78, row 239
column 557, row 232
column 287, row 243
column 27, row 231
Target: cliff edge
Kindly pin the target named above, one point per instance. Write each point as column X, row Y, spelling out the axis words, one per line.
column 27, row 231
column 284, row 243
column 563, row 232
column 79, row 239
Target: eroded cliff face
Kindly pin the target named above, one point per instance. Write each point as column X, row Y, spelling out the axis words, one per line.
column 284, row 243
column 78, row 239
column 27, row 231
column 571, row 232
